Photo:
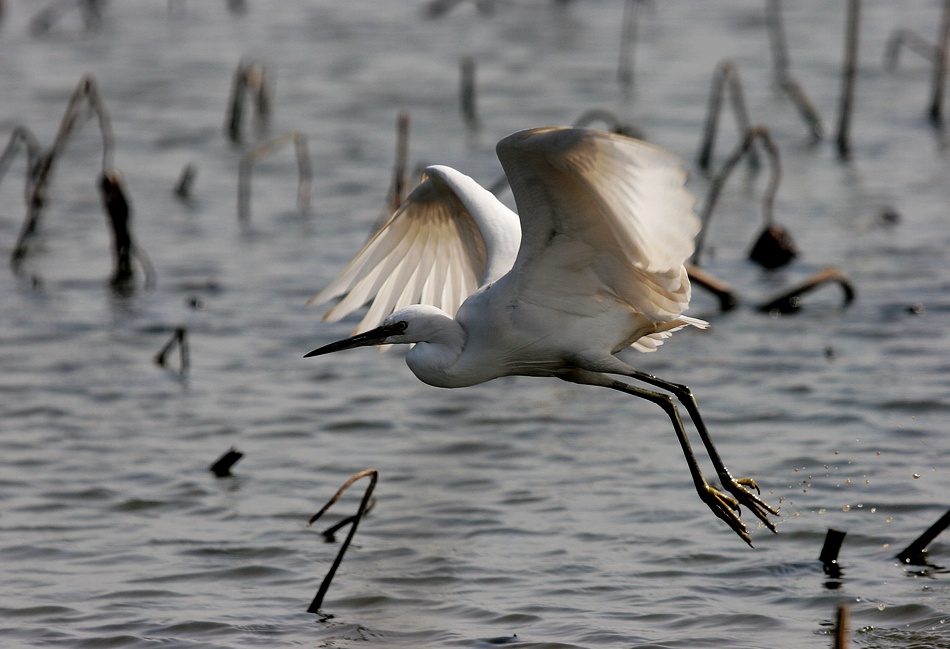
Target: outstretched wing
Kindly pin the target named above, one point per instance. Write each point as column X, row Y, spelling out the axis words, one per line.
column 601, row 215
column 448, row 237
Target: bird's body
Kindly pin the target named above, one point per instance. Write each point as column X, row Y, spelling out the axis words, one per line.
column 594, row 265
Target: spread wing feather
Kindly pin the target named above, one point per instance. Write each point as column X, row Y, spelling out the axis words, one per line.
column 608, row 211
column 448, row 238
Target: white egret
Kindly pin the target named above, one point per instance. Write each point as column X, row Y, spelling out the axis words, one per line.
column 595, row 266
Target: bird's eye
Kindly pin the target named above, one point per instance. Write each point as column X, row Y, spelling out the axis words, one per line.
column 402, row 325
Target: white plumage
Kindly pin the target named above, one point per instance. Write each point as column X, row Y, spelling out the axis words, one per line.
column 594, row 264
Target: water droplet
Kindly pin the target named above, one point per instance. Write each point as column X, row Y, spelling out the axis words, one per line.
column 846, row 508
column 837, row 452
column 889, row 519
column 916, row 476
column 822, row 511
column 874, row 510
column 847, row 482
column 881, row 607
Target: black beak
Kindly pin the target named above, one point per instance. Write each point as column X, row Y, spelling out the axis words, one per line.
column 375, row 336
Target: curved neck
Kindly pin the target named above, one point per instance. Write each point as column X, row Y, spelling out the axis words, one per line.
column 435, row 359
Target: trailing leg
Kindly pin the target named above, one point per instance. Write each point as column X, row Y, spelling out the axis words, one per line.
column 722, row 505
column 741, row 488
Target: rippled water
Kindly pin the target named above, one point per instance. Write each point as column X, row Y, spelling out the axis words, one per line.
column 528, row 512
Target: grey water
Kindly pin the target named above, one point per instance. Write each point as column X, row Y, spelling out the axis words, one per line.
column 523, row 512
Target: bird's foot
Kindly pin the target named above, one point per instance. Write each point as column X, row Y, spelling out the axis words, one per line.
column 742, row 488
column 727, row 508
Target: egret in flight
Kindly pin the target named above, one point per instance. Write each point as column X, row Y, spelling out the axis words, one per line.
column 593, row 265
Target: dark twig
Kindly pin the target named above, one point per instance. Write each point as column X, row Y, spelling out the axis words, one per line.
column 364, row 503
column 725, row 75
column 21, row 136
column 847, row 80
column 790, row 301
column 913, row 41
column 222, row 466
column 42, row 169
column 842, row 619
column 304, row 171
column 628, row 41
column 400, row 185
column 44, row 19
column 248, row 76
column 940, row 69
column 467, row 94
column 783, row 76
column 806, row 109
column 715, row 188
column 728, row 299
column 916, row 551
column 119, row 213
column 329, row 534
column 776, row 29
column 185, row 182
column 829, row 552
column 179, row 337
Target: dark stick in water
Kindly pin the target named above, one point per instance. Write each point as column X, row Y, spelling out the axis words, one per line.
column 185, row 182
column 790, row 301
column 222, row 466
column 842, row 618
column 913, row 41
column 725, row 76
column 119, row 214
column 847, row 80
column 248, row 76
column 399, row 189
column 364, row 503
column 467, row 94
column 783, row 253
column 914, row 553
column 304, row 171
column 783, row 76
column 42, row 170
column 728, row 299
column 179, row 337
column 940, row 68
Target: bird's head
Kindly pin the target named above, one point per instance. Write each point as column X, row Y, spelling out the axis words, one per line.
column 412, row 324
